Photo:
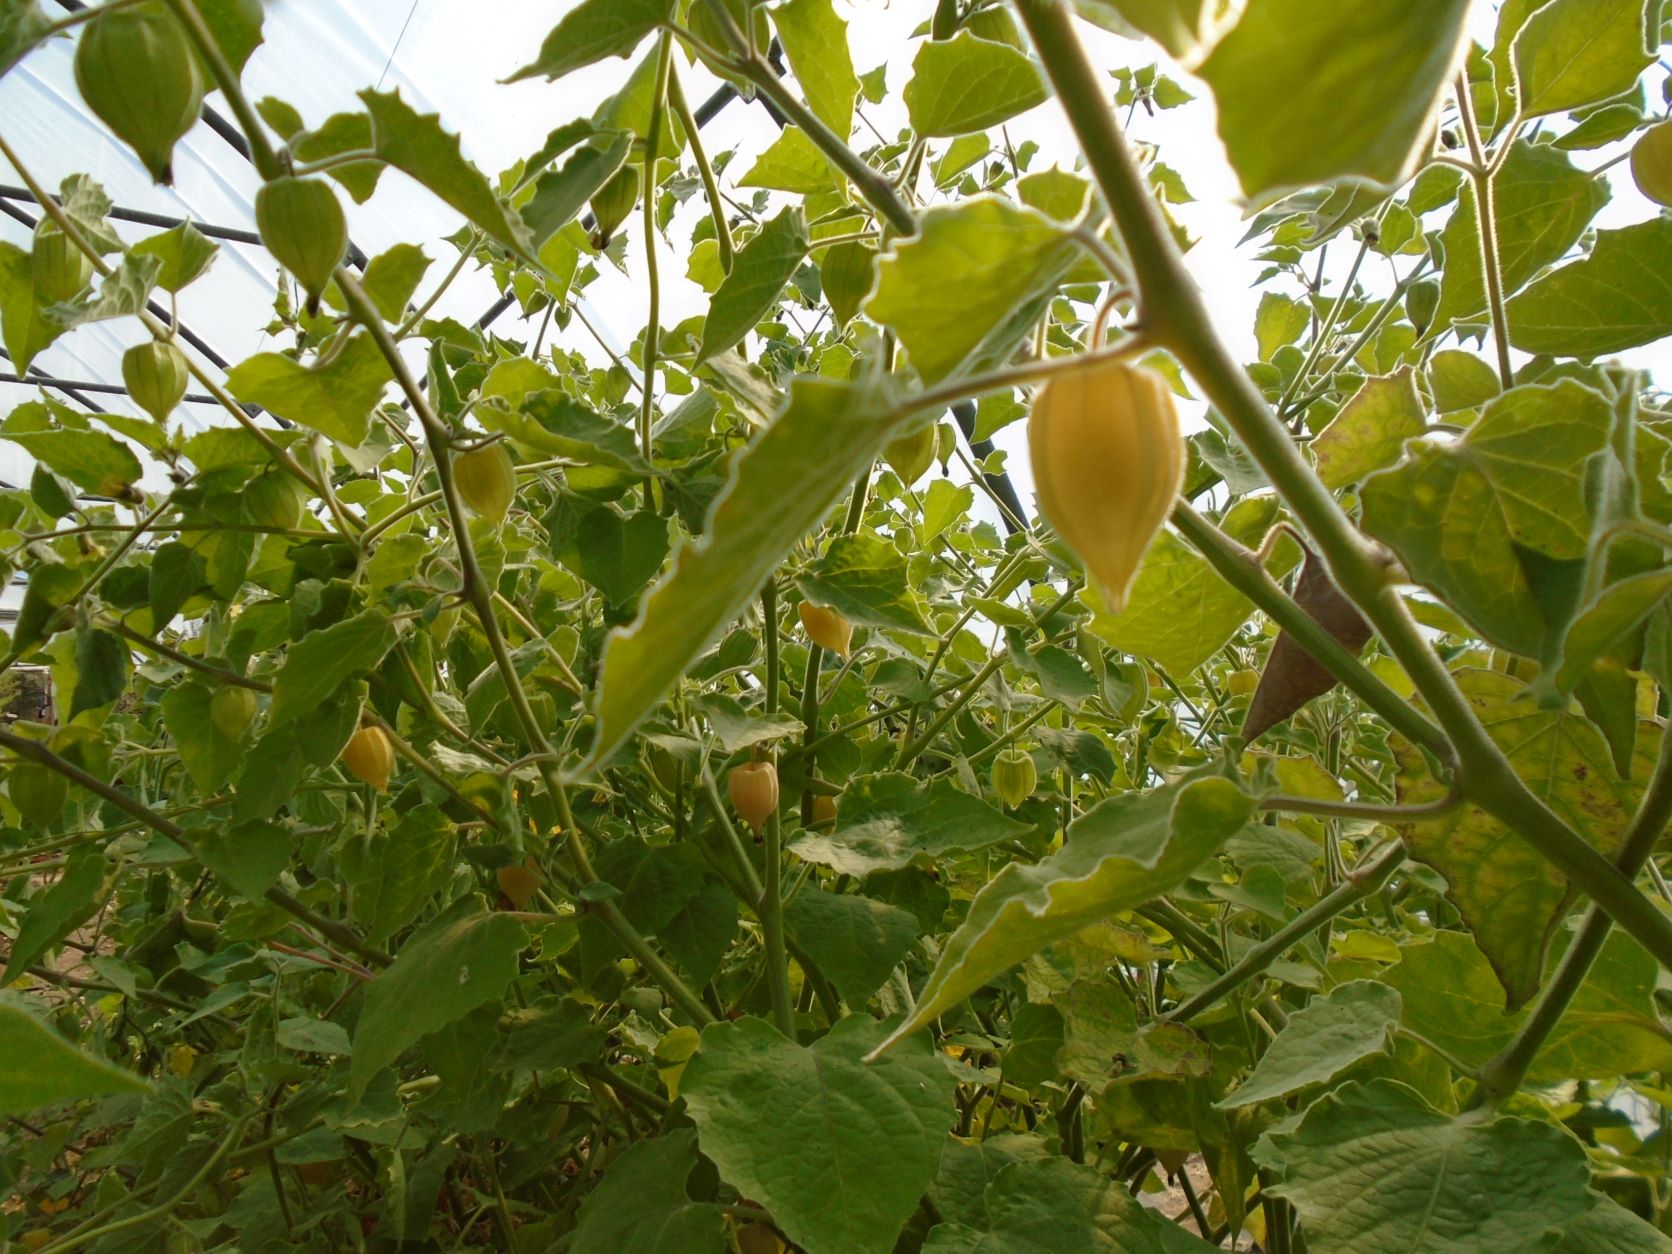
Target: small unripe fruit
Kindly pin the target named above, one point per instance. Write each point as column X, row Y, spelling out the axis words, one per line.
column 1108, row 460
column 754, row 792
column 910, row 455
column 824, row 809
column 181, row 1060
column 1243, row 683
column 1014, row 777
column 60, row 269
column 826, row 628
column 137, row 71
column 612, row 203
column 232, row 710
column 155, row 375
column 1651, row 163
column 274, row 500
column 370, row 757
column 301, row 222
column 38, row 792
column 487, row 481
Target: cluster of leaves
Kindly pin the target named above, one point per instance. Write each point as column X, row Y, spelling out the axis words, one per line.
column 1311, row 951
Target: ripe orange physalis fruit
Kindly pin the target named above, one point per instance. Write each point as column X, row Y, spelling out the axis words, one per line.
column 370, row 757
column 1108, row 461
column 826, row 628
column 519, row 883
column 487, row 481
column 754, row 792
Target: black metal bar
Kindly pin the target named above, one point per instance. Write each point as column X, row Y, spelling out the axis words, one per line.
column 37, row 375
column 71, row 386
column 146, row 218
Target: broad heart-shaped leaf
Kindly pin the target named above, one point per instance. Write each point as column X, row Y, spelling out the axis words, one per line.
column 780, row 486
column 561, row 194
column 1617, row 609
column 335, row 399
column 865, row 578
column 1511, row 897
column 1577, row 52
column 966, row 84
column 1543, row 204
column 25, row 329
column 854, row 941
column 1372, row 1168
column 1309, row 94
column 1054, row 1206
column 1617, row 298
column 322, row 661
column 415, row 143
column 887, row 821
column 555, row 424
column 451, row 965
column 815, row 41
column 393, row 874
column 793, row 163
column 56, row 1070
column 838, row 1150
column 641, row 1207
column 91, row 460
column 758, row 275
column 614, row 553
column 593, row 30
column 1371, row 429
column 208, row 756
column 185, row 253
column 22, row 26
column 1610, row 1028
column 248, row 857
column 1455, row 513
column 1321, row 1040
column 970, row 283
column 1121, row 853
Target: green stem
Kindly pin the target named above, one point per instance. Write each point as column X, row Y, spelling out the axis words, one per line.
column 1362, row 883
column 1325, row 331
column 1176, row 317
column 1502, row 1075
column 771, row 905
column 711, row 189
column 652, row 267
column 1486, row 215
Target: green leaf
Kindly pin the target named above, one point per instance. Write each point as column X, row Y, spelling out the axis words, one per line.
column 392, row 277
column 854, row 941
column 779, row 488
column 1457, row 513
column 1610, row 1028
column 887, row 821
column 815, row 41
column 1543, row 204
column 185, row 252
column 615, row 553
column 236, row 26
column 593, row 30
column 249, row 857
column 1179, row 612
column 1617, row 298
column 25, row 329
column 1509, row 895
column 92, row 460
column 641, row 1205
column 1576, row 52
column 1460, row 380
column 839, row 1151
column 392, row 876
column 758, row 275
column 335, row 399
column 559, row 426
column 57, row 1071
column 1321, row 1040
column 176, row 575
column 321, row 662
column 1278, row 321
column 1054, row 1205
column 966, row 84
column 970, row 283
column 793, row 163
column 561, row 194
column 120, row 294
column 101, row 669
column 1374, row 1169
column 866, row 579
column 59, row 910
column 738, row 729
column 1371, row 429
column 1061, row 675
column 416, row 144
column 1310, row 94
column 22, row 27
column 1122, row 852
column 209, row 757
column 1618, row 609
column 458, row 961
column 1177, row 25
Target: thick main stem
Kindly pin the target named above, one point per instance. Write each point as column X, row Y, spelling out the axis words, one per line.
column 1175, row 317
column 771, row 905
